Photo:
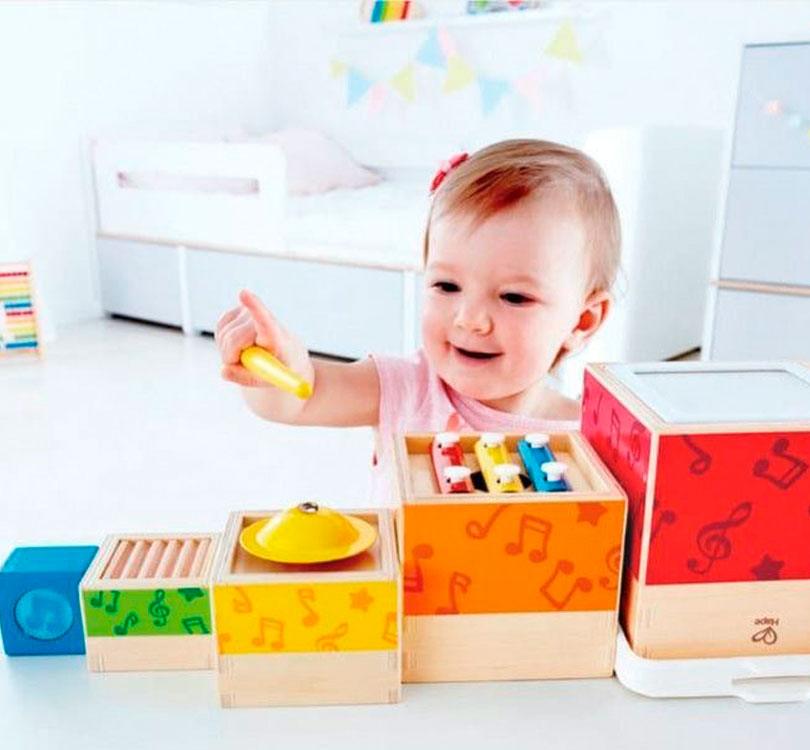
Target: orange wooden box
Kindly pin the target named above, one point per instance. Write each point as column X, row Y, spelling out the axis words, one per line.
column 509, row 586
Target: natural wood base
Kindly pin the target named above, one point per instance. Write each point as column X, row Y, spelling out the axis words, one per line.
column 718, row 619
column 140, row 653
column 520, row 646
column 322, row 678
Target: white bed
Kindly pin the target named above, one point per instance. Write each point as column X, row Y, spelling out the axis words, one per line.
column 182, row 227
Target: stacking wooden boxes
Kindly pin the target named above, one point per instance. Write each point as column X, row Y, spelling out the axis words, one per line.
column 146, row 603
column 318, row 633
column 714, row 458
column 519, row 584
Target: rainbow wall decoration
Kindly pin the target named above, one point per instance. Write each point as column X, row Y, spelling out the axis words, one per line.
column 19, row 332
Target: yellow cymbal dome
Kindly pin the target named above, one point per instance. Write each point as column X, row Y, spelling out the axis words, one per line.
column 307, row 533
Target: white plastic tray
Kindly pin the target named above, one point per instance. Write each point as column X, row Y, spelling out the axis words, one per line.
column 756, row 679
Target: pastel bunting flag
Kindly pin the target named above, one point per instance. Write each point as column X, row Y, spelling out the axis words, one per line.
column 403, row 83
column 430, row 53
column 447, row 44
column 564, row 45
column 459, row 75
column 376, row 98
column 337, row 68
column 356, row 86
column 528, row 86
column 492, row 91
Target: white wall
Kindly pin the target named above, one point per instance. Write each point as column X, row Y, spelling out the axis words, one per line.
column 70, row 70
column 671, row 63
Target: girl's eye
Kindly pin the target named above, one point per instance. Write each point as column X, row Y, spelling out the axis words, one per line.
column 446, row 286
column 513, row 298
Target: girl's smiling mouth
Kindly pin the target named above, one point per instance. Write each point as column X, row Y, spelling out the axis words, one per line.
column 470, row 354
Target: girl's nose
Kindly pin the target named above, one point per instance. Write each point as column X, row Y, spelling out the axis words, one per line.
column 473, row 318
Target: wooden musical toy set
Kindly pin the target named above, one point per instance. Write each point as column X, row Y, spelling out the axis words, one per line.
column 519, row 581
column 503, row 560
column 714, row 461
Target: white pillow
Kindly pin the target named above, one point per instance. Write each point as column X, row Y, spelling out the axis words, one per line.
column 315, row 163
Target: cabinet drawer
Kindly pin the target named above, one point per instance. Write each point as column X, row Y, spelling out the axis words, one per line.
column 774, row 73
column 341, row 310
column 140, row 280
column 759, row 325
column 767, row 232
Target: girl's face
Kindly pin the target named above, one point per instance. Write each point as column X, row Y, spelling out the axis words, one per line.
column 503, row 297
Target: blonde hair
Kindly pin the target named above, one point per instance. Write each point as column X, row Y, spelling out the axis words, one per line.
column 503, row 174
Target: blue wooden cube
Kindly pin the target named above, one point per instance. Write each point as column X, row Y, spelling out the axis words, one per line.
column 39, row 600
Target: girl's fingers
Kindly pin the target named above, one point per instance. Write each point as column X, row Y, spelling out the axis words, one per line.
column 224, row 320
column 239, row 375
column 268, row 331
column 240, row 334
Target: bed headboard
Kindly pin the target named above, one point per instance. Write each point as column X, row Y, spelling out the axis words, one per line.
column 215, row 195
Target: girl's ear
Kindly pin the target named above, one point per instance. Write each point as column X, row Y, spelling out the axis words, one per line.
column 595, row 310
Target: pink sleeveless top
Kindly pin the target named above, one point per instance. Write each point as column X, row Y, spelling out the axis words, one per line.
column 414, row 399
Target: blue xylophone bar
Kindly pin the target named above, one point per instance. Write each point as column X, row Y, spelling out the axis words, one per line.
column 535, row 452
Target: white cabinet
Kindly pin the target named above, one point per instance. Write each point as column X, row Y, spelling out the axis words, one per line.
column 759, row 296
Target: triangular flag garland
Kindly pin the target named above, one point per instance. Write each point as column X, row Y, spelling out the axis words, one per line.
column 439, row 51
column 564, row 45
column 403, row 83
column 459, row 75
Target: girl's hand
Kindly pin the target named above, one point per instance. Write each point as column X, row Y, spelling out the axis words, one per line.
column 252, row 323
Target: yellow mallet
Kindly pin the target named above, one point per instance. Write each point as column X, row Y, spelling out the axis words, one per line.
column 264, row 365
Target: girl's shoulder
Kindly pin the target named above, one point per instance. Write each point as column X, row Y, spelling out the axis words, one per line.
column 560, row 407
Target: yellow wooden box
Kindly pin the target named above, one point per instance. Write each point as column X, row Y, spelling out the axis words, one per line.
column 509, row 586
column 146, row 604
column 308, row 634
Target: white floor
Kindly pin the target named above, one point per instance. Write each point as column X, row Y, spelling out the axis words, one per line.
column 127, row 427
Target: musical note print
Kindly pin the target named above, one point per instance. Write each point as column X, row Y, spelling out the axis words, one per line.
column 595, row 415
column 414, row 582
column 566, row 567
column 158, row 610
column 713, row 541
column 329, row 641
column 768, row 636
column 702, row 461
column 477, row 530
column 390, row 630
column 634, row 450
column 793, row 471
column 613, row 561
column 189, row 623
column 459, row 582
column 97, row 601
column 615, row 434
column 222, row 639
column 242, row 604
column 665, row 517
column 304, row 597
column 130, row 621
column 531, row 524
column 276, row 627
column 590, row 513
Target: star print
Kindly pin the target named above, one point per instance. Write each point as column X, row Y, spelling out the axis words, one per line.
column 590, row 513
column 767, row 569
column 361, row 600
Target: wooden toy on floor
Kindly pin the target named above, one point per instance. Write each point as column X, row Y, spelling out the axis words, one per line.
column 308, row 633
column 39, row 600
column 146, row 603
column 714, row 459
column 517, row 585
column 19, row 327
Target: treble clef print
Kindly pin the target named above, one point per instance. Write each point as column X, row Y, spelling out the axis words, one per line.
column 158, row 610
column 713, row 541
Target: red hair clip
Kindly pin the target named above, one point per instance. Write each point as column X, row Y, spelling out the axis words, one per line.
column 445, row 168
